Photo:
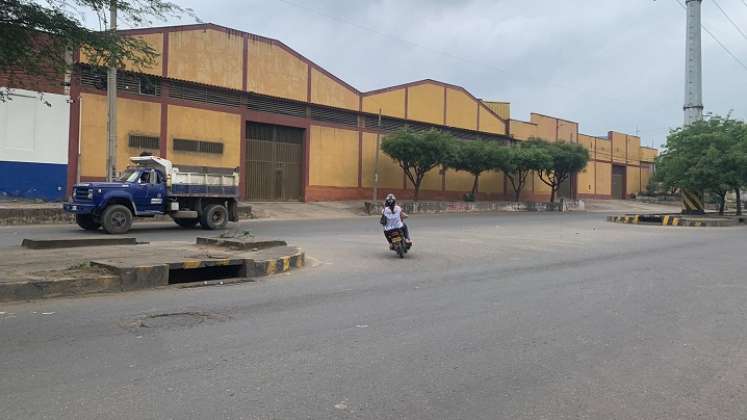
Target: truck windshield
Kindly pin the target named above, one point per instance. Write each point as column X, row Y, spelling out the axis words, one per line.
column 130, row 175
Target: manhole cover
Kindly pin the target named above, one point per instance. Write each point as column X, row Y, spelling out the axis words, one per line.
column 173, row 320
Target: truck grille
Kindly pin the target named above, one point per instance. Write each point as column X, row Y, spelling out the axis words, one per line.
column 81, row 194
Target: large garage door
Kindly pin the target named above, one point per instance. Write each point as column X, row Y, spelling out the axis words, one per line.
column 273, row 162
column 618, row 182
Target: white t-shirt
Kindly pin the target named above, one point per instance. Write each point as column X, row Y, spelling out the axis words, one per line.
column 393, row 218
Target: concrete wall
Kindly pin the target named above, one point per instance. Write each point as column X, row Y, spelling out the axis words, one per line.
column 391, row 103
column 274, row 71
column 199, row 124
column 34, row 144
column 333, row 157
column 207, row 56
column 327, row 91
column 425, row 103
column 461, row 110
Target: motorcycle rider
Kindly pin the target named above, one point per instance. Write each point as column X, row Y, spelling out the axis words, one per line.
column 394, row 218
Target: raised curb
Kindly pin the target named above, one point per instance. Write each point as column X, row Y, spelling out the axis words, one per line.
column 125, row 278
column 76, row 242
column 240, row 244
column 672, row 220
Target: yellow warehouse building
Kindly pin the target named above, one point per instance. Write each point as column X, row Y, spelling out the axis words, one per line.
column 228, row 100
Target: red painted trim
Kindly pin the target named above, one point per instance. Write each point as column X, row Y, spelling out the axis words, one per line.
column 245, row 61
column 164, row 143
column 557, row 129
column 478, row 117
column 445, row 105
column 407, row 101
column 92, row 179
column 360, row 158
column 242, row 160
column 307, row 166
column 165, row 56
column 73, row 129
column 308, row 82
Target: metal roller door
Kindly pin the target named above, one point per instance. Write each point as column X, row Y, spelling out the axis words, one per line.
column 273, row 162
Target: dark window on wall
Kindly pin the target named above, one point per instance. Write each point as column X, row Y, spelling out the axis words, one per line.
column 143, row 142
column 147, row 85
column 198, row 146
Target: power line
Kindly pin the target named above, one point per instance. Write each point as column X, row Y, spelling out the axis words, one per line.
column 718, row 41
column 726, row 15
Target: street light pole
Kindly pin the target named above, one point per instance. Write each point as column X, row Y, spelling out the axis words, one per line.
column 376, row 161
column 111, row 103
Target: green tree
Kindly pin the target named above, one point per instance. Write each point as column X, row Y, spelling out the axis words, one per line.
column 477, row 157
column 522, row 160
column 37, row 35
column 566, row 160
column 419, row 152
column 706, row 156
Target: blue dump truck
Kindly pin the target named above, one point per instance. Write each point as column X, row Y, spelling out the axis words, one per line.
column 151, row 187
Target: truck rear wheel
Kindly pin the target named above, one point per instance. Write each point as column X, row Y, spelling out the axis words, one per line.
column 214, row 216
column 87, row 222
column 186, row 223
column 117, row 219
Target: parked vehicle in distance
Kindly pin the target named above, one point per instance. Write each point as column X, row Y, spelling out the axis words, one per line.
column 153, row 186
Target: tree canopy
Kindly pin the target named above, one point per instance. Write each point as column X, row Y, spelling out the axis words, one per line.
column 36, row 36
column 419, row 152
column 706, row 156
column 566, row 160
column 477, row 157
column 521, row 160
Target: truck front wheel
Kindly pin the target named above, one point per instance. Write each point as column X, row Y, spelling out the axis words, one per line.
column 117, row 219
column 214, row 216
column 87, row 221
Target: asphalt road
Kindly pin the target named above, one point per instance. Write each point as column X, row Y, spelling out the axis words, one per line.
column 491, row 316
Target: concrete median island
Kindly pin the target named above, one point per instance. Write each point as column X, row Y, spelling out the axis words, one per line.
column 42, row 273
column 707, row 220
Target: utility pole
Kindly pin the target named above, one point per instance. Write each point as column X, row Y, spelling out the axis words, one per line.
column 376, row 161
column 692, row 201
column 111, row 107
column 693, row 65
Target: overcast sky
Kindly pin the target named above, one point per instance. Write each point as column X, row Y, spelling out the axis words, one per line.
column 608, row 64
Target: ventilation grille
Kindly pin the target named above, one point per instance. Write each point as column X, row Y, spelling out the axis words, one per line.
column 198, row 146
column 388, row 125
column 204, row 94
column 144, row 142
column 133, row 83
column 338, row 116
column 276, row 106
column 462, row 134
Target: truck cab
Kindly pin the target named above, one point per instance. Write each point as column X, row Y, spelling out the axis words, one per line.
column 147, row 189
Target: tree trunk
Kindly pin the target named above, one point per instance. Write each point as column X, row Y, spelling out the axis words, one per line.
column 474, row 187
column 517, row 194
column 722, row 204
column 739, row 202
column 552, row 194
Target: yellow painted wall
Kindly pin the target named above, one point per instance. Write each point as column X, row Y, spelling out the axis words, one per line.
column 133, row 117
column 503, row 109
column 198, row 124
column 461, row 110
column 390, row 174
column 586, row 179
column 567, row 131
column 333, row 157
column 154, row 41
column 646, row 174
column 648, row 154
column 426, row 103
column 634, row 150
column 491, row 183
column 459, row 181
column 589, row 143
column 522, row 130
column 391, row 103
column 604, row 178
column 633, row 184
column 618, row 147
column 546, row 126
column 489, row 123
column 274, row 71
column 327, row 91
column 207, row 56
column 604, row 149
